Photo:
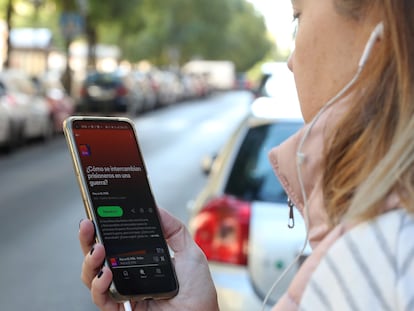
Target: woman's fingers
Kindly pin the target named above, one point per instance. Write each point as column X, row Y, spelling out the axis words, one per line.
column 86, row 235
column 96, row 277
column 92, row 264
column 99, row 290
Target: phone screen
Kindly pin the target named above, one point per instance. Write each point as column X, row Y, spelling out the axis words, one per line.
column 124, row 207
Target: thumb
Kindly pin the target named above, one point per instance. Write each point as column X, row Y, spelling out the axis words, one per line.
column 176, row 233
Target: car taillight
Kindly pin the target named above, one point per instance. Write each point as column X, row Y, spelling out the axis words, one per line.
column 10, row 101
column 121, row 91
column 221, row 230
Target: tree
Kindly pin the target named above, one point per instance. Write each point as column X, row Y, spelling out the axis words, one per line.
column 170, row 32
column 9, row 12
column 247, row 41
column 176, row 31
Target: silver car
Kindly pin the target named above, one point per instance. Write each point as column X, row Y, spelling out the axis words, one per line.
column 12, row 119
column 28, row 105
column 240, row 219
column 8, row 124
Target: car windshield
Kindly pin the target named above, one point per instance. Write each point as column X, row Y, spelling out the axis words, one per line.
column 104, row 79
column 252, row 177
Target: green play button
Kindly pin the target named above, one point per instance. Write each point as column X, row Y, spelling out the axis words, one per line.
column 110, row 211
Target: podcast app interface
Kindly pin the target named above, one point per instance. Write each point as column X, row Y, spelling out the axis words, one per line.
column 122, row 202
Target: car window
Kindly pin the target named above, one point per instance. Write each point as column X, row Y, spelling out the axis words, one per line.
column 104, row 79
column 252, row 177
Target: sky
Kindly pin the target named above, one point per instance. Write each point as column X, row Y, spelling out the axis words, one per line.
column 278, row 16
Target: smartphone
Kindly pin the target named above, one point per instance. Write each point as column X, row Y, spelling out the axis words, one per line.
column 117, row 197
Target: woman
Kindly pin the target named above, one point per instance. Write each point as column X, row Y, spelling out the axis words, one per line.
column 354, row 178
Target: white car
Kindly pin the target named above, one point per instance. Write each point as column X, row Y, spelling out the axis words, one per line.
column 11, row 121
column 31, row 107
column 5, row 124
column 240, row 219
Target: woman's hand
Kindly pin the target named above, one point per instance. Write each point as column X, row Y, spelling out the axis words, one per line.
column 196, row 289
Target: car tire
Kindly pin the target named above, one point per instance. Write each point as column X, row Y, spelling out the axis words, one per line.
column 49, row 129
column 15, row 138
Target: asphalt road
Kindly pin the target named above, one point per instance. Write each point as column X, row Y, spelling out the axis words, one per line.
column 40, row 204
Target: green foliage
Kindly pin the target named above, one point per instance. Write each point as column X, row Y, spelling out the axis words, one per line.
column 166, row 32
column 246, row 38
column 175, row 31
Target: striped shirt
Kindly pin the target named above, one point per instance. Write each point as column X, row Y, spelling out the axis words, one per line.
column 371, row 267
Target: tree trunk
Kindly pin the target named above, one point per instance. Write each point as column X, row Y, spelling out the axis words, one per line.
column 9, row 13
column 91, row 38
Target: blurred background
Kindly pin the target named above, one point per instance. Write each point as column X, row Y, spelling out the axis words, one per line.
column 186, row 72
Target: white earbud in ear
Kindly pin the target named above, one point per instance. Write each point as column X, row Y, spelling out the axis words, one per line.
column 379, row 30
column 376, row 34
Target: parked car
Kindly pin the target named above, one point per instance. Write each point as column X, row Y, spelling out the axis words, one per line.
column 167, row 87
column 240, row 219
column 194, row 86
column 11, row 123
column 31, row 109
column 109, row 92
column 144, row 84
column 60, row 104
column 242, row 82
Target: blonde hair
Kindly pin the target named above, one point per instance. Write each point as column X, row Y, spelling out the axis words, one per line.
column 371, row 154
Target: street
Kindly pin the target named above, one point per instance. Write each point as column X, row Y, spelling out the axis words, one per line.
column 41, row 206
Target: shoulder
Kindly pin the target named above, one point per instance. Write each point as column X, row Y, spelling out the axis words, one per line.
column 369, row 267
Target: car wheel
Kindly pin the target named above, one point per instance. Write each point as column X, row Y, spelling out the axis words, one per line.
column 15, row 139
column 49, row 129
column 132, row 109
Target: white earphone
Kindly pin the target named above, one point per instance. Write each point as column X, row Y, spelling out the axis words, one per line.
column 376, row 34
